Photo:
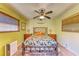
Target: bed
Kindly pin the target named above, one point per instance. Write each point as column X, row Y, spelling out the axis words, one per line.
column 40, row 44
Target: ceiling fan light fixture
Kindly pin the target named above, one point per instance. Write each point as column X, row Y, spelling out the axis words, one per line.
column 42, row 14
column 41, row 17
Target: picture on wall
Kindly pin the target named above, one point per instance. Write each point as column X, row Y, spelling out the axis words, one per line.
column 8, row 23
column 23, row 26
column 40, row 29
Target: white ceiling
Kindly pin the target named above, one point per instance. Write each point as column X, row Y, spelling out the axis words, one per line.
column 27, row 9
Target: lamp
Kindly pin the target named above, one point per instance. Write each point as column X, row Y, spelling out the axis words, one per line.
column 41, row 17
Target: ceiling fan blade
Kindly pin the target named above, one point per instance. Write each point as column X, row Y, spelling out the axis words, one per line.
column 47, row 17
column 49, row 12
column 37, row 11
column 35, row 17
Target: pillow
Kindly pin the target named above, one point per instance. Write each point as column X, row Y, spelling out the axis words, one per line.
column 39, row 33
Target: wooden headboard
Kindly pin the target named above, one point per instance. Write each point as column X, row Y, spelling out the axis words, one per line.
column 53, row 36
column 26, row 36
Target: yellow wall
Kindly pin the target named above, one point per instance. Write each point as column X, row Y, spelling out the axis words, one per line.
column 35, row 23
column 73, row 11
column 55, row 25
column 58, row 21
column 11, row 36
column 58, row 27
column 70, row 40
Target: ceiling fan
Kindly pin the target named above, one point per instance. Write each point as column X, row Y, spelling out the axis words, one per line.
column 42, row 14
